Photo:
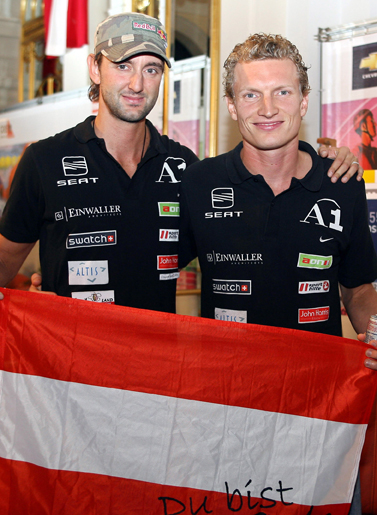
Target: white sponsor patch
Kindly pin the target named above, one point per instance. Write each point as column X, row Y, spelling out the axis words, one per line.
column 88, row 272
column 231, row 315
column 107, row 296
column 314, row 287
column 169, row 277
column 169, row 235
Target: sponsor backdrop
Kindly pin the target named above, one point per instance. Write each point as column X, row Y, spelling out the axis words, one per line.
column 197, row 421
column 349, row 103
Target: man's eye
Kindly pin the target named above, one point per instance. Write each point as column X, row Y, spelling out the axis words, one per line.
column 284, row 92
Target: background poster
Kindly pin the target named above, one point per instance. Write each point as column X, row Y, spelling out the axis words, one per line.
column 349, row 100
column 349, row 105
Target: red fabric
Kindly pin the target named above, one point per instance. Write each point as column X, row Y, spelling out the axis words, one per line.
column 77, row 23
column 170, row 355
column 47, row 12
column 33, row 490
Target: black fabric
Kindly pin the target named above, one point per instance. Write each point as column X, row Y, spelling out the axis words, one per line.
column 257, row 250
column 68, row 185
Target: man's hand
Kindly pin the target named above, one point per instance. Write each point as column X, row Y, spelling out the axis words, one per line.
column 345, row 163
column 371, row 354
column 36, row 284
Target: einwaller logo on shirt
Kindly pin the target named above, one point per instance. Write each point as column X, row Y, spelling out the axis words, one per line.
column 168, row 208
column 91, row 239
column 314, row 261
column 167, row 262
column 309, row 315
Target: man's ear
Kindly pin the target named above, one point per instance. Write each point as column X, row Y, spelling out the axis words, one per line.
column 93, row 69
column 304, row 105
column 231, row 108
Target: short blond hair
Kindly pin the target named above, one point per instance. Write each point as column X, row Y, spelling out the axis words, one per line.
column 264, row 46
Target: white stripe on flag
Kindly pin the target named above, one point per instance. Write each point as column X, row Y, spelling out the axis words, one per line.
column 56, row 44
column 179, row 442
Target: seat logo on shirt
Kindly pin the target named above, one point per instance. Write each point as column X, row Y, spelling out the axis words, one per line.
column 222, row 198
column 75, row 166
column 168, row 208
column 310, row 315
column 91, row 239
column 314, row 261
column 231, row 286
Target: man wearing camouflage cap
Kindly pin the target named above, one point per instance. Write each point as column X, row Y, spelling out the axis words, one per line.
column 102, row 197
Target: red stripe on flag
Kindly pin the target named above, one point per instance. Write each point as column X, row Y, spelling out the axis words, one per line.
column 29, row 489
column 186, row 357
column 77, row 23
column 46, row 15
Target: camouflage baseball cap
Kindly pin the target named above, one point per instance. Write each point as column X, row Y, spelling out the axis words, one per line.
column 125, row 35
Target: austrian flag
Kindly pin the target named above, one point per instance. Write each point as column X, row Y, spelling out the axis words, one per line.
column 107, row 410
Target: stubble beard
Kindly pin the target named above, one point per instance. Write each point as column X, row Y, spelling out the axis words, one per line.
column 118, row 111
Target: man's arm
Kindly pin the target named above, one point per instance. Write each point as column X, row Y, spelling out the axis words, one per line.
column 360, row 304
column 12, row 255
column 344, row 161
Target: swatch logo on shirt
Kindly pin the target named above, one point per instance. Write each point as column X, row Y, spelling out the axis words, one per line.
column 232, row 286
column 91, row 239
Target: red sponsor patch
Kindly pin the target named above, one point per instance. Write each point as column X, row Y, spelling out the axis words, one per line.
column 167, row 262
column 309, row 315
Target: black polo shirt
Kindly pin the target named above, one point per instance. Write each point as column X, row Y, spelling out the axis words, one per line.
column 275, row 260
column 103, row 236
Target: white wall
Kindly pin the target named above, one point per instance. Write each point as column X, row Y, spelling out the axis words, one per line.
column 298, row 20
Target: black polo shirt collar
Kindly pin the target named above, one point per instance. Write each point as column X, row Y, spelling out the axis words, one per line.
column 84, row 132
column 238, row 173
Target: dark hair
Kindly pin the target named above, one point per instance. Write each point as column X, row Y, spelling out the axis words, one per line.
column 264, row 46
column 93, row 91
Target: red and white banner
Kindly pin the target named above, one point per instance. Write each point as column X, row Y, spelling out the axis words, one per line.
column 66, row 25
column 112, row 410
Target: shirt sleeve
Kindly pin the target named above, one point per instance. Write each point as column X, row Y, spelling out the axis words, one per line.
column 23, row 212
column 359, row 263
